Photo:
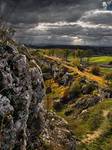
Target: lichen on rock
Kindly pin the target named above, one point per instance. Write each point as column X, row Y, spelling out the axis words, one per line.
column 24, row 124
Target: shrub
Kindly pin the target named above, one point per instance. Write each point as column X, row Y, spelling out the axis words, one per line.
column 57, row 105
column 75, row 90
column 95, row 70
column 72, row 92
column 68, row 112
column 6, row 32
column 65, row 99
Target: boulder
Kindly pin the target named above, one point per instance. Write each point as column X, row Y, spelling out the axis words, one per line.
column 87, row 101
column 105, row 93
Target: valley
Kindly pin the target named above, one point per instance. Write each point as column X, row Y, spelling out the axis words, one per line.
column 78, row 88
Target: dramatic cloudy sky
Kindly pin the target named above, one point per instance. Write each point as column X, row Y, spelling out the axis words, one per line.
column 83, row 22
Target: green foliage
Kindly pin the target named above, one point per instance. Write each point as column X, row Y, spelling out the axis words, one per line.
column 75, row 89
column 90, row 120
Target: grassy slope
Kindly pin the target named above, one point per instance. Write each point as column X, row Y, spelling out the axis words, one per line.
column 91, row 121
column 106, row 70
column 93, row 127
column 94, row 122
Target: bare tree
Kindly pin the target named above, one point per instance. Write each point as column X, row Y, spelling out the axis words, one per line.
column 6, row 32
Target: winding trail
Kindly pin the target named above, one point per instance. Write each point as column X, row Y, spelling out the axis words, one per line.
column 96, row 134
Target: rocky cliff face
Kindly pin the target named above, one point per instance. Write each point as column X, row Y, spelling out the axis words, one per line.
column 24, row 124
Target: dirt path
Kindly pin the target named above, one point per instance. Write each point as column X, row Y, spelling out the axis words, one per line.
column 96, row 134
column 91, row 137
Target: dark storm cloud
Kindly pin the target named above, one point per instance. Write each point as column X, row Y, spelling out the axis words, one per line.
column 46, row 10
column 59, row 21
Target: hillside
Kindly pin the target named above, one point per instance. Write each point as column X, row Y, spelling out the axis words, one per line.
column 78, row 95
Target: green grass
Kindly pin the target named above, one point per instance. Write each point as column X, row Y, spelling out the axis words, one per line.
column 101, row 59
column 105, row 70
column 90, row 121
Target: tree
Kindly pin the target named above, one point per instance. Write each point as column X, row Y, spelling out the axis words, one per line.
column 95, row 69
column 6, row 32
column 80, row 54
column 66, row 54
column 88, row 54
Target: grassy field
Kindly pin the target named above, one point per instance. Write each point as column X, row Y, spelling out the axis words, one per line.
column 101, row 59
column 106, row 70
column 96, row 59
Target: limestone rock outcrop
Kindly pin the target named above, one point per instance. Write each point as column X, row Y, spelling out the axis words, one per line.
column 24, row 124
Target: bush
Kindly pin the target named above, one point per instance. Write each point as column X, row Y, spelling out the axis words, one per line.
column 68, row 112
column 75, row 90
column 57, row 105
column 95, row 70
column 72, row 92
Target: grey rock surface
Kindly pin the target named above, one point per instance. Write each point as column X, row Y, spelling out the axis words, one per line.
column 24, row 124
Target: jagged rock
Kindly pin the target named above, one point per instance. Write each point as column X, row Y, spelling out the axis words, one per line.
column 87, row 101
column 66, row 78
column 21, row 85
column 60, row 137
column 105, row 93
column 48, row 90
column 22, row 117
column 88, row 88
